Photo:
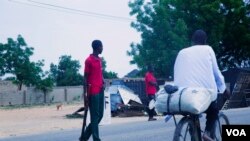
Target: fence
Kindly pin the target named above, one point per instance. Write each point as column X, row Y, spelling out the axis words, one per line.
column 10, row 95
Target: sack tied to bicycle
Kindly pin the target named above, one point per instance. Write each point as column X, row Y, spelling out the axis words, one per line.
column 190, row 102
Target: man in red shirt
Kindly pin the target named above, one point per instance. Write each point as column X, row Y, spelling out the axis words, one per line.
column 151, row 85
column 93, row 86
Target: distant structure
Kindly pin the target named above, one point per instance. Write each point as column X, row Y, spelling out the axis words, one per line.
column 239, row 84
column 232, row 74
column 134, row 73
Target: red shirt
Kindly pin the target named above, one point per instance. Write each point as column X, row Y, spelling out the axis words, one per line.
column 150, row 89
column 93, row 67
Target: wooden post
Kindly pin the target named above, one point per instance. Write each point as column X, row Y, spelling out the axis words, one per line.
column 24, row 97
column 65, row 94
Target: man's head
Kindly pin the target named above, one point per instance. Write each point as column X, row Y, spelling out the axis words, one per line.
column 150, row 68
column 199, row 37
column 97, row 46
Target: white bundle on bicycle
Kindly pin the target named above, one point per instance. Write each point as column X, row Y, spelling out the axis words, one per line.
column 192, row 100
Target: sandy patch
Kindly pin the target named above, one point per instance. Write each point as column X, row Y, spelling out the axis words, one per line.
column 39, row 119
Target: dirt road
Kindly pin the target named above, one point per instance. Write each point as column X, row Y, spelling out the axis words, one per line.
column 38, row 119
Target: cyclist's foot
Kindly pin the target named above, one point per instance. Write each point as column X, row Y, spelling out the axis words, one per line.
column 206, row 137
column 152, row 119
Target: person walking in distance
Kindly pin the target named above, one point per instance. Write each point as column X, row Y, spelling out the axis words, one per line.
column 94, row 86
column 196, row 66
column 151, row 85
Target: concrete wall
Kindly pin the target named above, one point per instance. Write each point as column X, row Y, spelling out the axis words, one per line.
column 10, row 95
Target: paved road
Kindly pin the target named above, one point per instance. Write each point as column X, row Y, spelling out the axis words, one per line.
column 134, row 131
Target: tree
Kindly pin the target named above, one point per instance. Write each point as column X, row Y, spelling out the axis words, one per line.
column 15, row 59
column 2, row 59
column 67, row 72
column 227, row 24
column 162, row 36
column 166, row 27
column 107, row 74
column 45, row 85
column 234, row 50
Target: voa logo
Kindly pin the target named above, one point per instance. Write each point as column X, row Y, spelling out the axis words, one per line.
column 236, row 132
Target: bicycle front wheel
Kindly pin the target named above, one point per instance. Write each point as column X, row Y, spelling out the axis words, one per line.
column 184, row 130
column 222, row 120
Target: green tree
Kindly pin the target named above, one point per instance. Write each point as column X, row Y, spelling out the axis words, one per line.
column 234, row 50
column 166, row 27
column 162, row 36
column 45, row 84
column 67, row 72
column 227, row 25
column 53, row 72
column 16, row 60
column 2, row 59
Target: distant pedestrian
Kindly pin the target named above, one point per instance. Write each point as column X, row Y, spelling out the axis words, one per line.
column 151, row 88
column 94, row 87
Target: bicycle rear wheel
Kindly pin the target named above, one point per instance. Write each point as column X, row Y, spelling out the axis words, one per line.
column 222, row 120
column 184, row 130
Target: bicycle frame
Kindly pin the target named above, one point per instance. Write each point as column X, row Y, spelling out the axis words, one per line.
column 196, row 132
column 193, row 127
column 197, row 128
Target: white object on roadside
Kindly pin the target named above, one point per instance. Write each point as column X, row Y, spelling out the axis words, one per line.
column 128, row 95
column 151, row 104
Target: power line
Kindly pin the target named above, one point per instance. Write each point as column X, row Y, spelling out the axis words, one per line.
column 77, row 10
column 73, row 11
column 24, row 3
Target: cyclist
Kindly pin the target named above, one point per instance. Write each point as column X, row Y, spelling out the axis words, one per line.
column 196, row 66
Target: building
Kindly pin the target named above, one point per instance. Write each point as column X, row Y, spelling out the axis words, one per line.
column 238, row 80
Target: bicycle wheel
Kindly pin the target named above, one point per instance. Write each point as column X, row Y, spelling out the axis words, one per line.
column 222, row 120
column 183, row 130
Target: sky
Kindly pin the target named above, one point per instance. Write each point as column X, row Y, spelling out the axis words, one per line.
column 65, row 27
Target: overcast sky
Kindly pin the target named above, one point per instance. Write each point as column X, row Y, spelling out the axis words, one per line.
column 67, row 27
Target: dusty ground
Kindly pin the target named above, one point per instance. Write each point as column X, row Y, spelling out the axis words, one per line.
column 38, row 119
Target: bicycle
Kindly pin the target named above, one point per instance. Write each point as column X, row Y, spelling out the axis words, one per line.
column 189, row 127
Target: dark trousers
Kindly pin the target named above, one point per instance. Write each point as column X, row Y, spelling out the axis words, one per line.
column 151, row 112
column 211, row 116
column 96, row 107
